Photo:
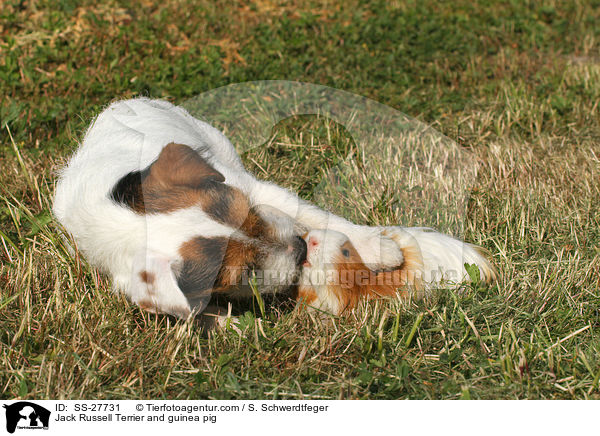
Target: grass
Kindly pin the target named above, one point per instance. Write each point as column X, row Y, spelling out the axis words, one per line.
column 516, row 84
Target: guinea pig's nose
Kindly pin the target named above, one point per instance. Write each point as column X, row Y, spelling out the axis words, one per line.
column 299, row 250
column 312, row 241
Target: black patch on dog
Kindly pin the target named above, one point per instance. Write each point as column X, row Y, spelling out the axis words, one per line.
column 201, row 268
column 221, row 195
column 128, row 190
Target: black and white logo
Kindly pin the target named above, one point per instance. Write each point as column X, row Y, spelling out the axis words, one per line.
column 26, row 415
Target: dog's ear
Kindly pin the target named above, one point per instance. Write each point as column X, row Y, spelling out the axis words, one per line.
column 180, row 165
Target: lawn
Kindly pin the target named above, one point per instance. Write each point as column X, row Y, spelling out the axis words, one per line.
column 517, row 84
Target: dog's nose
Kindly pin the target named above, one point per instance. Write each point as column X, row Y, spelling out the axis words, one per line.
column 299, row 250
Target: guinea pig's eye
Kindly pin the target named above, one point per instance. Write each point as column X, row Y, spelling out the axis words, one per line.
column 346, row 252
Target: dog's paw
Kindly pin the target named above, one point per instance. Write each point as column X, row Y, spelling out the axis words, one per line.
column 376, row 248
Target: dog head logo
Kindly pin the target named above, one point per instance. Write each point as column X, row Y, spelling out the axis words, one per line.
column 26, row 415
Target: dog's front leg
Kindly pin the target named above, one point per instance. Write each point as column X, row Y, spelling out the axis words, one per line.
column 153, row 285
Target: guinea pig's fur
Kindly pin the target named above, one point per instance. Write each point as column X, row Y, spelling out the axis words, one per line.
column 335, row 278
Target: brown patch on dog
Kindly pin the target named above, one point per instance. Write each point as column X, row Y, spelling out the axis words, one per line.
column 179, row 168
column 223, row 203
column 254, row 225
column 239, row 208
column 239, row 255
column 180, row 165
column 214, row 265
column 147, row 277
column 178, row 179
column 202, row 260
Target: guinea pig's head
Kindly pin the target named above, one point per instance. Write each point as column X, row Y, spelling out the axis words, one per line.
column 334, row 277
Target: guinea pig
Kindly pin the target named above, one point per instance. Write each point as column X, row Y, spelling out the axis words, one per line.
column 334, row 278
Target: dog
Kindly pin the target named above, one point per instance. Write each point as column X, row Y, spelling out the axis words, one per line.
column 162, row 202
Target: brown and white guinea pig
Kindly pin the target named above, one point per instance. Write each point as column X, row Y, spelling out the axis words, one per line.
column 335, row 278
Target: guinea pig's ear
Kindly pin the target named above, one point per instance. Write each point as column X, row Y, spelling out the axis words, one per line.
column 154, row 288
column 180, row 165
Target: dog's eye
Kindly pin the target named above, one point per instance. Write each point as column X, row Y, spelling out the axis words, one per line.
column 346, row 252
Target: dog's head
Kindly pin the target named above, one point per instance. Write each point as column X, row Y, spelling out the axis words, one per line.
column 245, row 243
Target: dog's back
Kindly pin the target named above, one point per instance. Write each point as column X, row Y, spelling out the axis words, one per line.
column 126, row 137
